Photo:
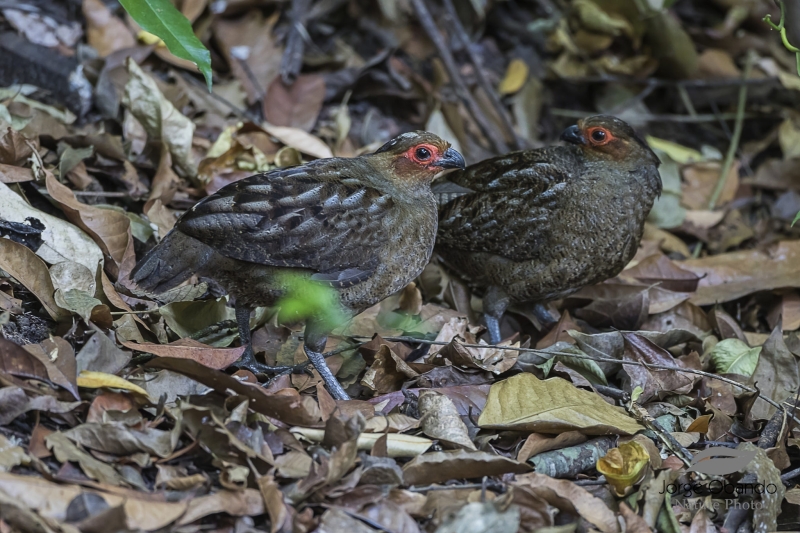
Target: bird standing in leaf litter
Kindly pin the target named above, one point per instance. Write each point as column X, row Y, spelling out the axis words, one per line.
column 364, row 226
column 537, row 225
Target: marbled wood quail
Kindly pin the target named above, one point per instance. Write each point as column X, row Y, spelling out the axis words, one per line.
column 537, row 225
column 365, row 226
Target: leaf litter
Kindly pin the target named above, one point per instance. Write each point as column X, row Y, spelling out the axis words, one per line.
column 120, row 414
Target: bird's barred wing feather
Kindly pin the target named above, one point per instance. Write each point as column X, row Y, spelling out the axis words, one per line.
column 524, row 184
column 295, row 218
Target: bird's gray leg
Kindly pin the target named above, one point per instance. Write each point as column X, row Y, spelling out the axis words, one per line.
column 314, row 344
column 248, row 359
column 495, row 303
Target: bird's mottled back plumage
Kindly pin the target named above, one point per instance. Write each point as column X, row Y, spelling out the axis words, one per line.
column 364, row 225
column 539, row 224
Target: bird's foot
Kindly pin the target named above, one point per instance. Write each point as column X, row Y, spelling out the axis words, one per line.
column 331, row 383
column 248, row 362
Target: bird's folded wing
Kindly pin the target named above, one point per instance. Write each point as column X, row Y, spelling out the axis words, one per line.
column 295, row 218
column 510, row 208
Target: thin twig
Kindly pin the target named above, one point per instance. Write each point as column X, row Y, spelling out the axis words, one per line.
column 692, row 84
column 737, row 133
column 649, row 366
column 428, row 24
column 239, row 112
column 630, row 102
column 143, row 312
column 92, row 193
column 483, row 81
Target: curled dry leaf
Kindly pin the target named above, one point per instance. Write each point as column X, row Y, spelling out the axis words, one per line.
column 51, row 500
column 62, row 240
column 299, row 140
column 624, row 466
column 440, row 420
column 296, row 105
column 536, row 443
column 590, row 507
column 110, row 229
column 32, row 273
column 96, row 380
column 289, row 407
column 436, row 467
column 160, row 119
column 527, row 403
column 217, row 358
column 247, row 502
column 105, row 32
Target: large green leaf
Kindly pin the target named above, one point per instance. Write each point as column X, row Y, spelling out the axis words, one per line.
column 160, row 18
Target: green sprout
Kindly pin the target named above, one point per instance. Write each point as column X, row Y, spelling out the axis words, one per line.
column 781, row 27
column 305, row 298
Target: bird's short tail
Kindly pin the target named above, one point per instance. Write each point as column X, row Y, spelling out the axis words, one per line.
column 169, row 263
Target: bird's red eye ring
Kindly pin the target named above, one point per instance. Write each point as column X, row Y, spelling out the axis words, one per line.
column 423, row 154
column 599, row 136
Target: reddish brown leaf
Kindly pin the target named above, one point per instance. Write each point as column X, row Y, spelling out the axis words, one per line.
column 217, row 358
column 296, row 105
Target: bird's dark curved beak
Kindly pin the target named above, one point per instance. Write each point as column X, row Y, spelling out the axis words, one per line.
column 451, row 159
column 573, row 135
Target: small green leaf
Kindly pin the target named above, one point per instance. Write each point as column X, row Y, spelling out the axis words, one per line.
column 160, row 18
column 732, row 356
column 304, row 298
column 796, row 218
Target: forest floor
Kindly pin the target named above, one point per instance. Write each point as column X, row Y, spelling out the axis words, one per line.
column 118, row 413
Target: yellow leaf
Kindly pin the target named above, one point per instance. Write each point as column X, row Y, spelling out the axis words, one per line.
column 148, row 38
column 96, row 380
column 624, row 466
column 515, row 77
column 677, row 152
column 527, row 403
column 700, row 424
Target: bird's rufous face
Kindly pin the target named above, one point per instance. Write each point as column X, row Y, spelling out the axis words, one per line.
column 601, row 139
column 430, row 158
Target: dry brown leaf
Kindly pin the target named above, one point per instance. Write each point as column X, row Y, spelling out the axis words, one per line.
column 288, row 406
column 590, row 507
column 105, row 32
column 12, row 174
column 537, row 443
column 296, row 105
column 217, row 358
column 699, row 180
column 110, row 229
column 52, row 499
column 526, row 403
column 247, row 502
column 729, row 276
column 160, row 119
column 299, row 140
column 436, row 467
column 250, row 40
column 24, row 266
column 440, row 420
column 62, row 240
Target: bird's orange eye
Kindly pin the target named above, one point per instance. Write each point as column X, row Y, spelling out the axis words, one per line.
column 423, row 154
column 600, row 136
